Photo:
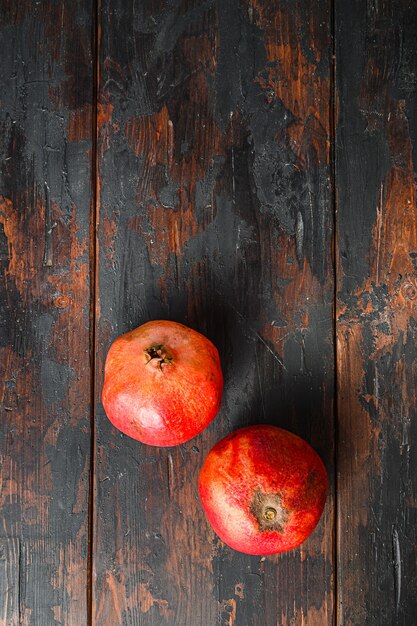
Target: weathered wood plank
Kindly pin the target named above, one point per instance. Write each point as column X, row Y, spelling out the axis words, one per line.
column 45, row 181
column 215, row 210
column 9, row 580
column 376, row 328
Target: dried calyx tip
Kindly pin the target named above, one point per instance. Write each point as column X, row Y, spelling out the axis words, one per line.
column 269, row 512
column 158, row 353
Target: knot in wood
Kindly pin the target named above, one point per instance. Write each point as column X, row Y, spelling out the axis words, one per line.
column 61, row 302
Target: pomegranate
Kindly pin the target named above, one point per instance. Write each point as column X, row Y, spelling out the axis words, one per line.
column 163, row 383
column 263, row 489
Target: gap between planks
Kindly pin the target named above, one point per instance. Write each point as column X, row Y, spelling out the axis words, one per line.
column 95, row 45
column 333, row 172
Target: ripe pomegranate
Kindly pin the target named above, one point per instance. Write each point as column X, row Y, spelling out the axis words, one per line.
column 263, row 489
column 163, row 383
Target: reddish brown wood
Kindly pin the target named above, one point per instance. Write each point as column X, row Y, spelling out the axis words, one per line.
column 215, row 210
column 45, row 182
column 377, row 284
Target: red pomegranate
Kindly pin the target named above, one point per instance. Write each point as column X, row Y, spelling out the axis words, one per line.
column 263, row 489
column 162, row 384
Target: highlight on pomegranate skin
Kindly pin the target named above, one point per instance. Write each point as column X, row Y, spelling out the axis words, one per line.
column 163, row 383
column 263, row 489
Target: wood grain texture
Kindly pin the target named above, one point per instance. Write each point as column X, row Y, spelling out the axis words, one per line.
column 45, row 181
column 215, row 211
column 376, row 329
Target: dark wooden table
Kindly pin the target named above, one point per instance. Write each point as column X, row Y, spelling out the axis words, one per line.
column 247, row 167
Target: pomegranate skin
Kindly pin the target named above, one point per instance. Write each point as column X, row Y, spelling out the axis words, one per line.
column 263, row 489
column 162, row 383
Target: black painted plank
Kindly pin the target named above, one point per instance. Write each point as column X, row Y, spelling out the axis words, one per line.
column 376, row 250
column 46, row 92
column 215, row 210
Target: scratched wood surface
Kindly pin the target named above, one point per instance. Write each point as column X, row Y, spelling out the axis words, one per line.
column 216, row 187
column 216, row 211
column 46, row 100
column 376, row 330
